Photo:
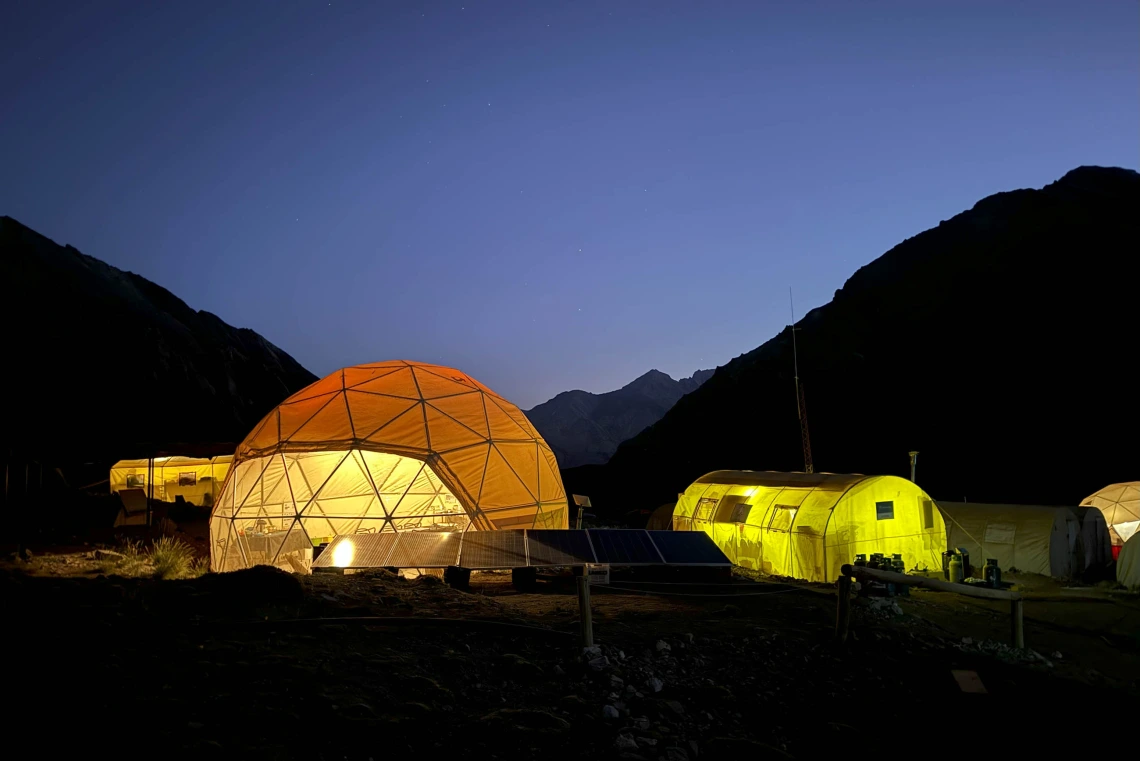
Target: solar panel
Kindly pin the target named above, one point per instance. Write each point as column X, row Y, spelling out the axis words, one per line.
column 425, row 549
column 357, row 551
column 493, row 549
column 624, row 547
column 688, row 548
column 558, row 547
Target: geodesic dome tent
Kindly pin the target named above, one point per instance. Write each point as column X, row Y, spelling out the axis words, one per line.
column 1120, row 504
column 807, row 525
column 393, row 446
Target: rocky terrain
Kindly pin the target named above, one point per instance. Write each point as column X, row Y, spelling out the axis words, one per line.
column 261, row 664
column 106, row 364
column 584, row 428
column 993, row 344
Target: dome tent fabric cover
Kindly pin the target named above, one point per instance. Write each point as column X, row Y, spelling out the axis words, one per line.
column 392, row 446
column 1120, row 504
column 807, row 525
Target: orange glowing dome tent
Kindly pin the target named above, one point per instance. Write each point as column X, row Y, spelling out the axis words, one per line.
column 392, row 446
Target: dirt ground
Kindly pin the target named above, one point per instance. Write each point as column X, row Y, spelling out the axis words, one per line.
column 262, row 664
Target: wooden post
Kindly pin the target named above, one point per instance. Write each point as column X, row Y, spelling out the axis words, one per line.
column 585, row 620
column 1017, row 624
column 843, row 609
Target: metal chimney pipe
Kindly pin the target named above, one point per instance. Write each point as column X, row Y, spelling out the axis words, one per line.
column 913, row 460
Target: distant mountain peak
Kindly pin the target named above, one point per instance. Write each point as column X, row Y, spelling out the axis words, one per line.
column 585, row 428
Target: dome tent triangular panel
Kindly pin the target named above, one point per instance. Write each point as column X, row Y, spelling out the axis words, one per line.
column 362, row 451
column 1120, row 504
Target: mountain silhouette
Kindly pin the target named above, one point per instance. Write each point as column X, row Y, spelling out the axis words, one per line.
column 585, row 428
column 1000, row 345
column 102, row 363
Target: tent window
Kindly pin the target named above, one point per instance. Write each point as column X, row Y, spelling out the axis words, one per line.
column 187, row 479
column 781, row 518
column 136, row 481
column 740, row 512
column 884, row 511
column 704, row 509
column 1000, row 533
column 927, row 513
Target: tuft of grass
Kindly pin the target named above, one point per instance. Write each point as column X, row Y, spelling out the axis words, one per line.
column 200, row 567
column 171, row 558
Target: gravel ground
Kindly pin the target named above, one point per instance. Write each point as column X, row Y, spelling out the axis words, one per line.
column 255, row 664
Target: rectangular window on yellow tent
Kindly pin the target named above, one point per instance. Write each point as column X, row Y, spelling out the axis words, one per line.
column 884, row 511
column 781, row 517
column 740, row 512
column 187, row 479
column 136, row 480
column 927, row 513
column 705, row 509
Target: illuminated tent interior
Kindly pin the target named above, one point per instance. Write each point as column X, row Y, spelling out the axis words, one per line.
column 196, row 479
column 1050, row 541
column 1120, row 504
column 807, row 525
column 393, row 446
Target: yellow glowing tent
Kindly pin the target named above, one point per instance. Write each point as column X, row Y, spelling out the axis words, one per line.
column 391, row 446
column 807, row 525
column 196, row 479
column 1120, row 504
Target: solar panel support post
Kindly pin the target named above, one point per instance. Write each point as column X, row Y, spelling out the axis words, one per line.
column 586, row 621
column 457, row 577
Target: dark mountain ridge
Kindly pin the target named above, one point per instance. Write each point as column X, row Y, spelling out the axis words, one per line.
column 103, row 363
column 582, row 427
column 997, row 344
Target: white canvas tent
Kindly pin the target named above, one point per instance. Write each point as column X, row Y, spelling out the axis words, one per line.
column 1030, row 538
column 1128, row 564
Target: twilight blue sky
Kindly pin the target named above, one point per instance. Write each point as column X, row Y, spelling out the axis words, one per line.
column 548, row 195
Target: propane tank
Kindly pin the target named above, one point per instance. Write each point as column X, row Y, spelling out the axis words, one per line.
column 956, row 575
column 992, row 573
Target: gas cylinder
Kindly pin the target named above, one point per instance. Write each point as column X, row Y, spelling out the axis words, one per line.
column 992, row 573
column 956, row 575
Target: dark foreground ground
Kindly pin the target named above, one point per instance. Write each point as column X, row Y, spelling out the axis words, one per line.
column 235, row 666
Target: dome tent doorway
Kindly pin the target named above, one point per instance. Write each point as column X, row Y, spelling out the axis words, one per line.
column 392, row 446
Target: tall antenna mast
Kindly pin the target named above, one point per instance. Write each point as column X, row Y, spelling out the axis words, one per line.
column 801, row 408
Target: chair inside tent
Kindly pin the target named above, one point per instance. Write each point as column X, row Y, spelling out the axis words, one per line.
column 807, row 525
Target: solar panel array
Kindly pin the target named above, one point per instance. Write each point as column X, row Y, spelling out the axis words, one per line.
column 485, row 550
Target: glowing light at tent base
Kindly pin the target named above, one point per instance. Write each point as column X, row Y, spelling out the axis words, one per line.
column 342, row 555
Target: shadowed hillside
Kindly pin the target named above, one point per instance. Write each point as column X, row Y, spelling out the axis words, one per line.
column 101, row 363
column 999, row 344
